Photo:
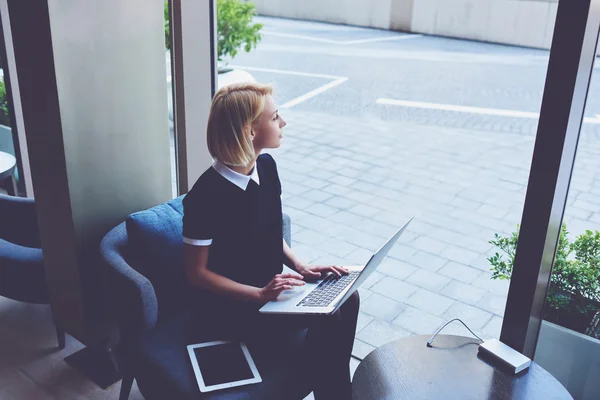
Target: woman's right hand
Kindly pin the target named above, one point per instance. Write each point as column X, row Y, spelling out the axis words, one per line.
column 278, row 284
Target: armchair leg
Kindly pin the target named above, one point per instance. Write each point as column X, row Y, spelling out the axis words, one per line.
column 60, row 336
column 126, row 384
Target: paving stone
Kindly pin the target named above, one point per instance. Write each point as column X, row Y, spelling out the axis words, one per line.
column 474, row 317
column 431, row 302
column 380, row 229
column 466, row 293
column 338, row 190
column 394, row 288
column 458, row 254
column 497, row 286
column 310, row 237
column 315, row 223
column 342, row 180
column 317, row 195
column 359, row 256
column 429, row 245
column 345, row 218
column 299, row 202
column 364, row 293
column 295, row 214
column 428, row 280
column 427, row 261
column 372, row 279
column 329, row 259
column 361, row 349
column 493, row 303
column 395, row 268
column 402, row 252
column 294, row 188
column 493, row 327
column 418, row 321
column 321, row 210
column 364, row 210
column 363, row 320
column 305, row 253
column 459, row 272
column 381, row 307
column 340, row 202
column 315, row 183
column 337, row 247
column 378, row 333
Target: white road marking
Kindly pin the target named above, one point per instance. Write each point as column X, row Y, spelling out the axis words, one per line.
column 285, row 72
column 472, row 110
column 337, row 80
column 342, row 42
column 383, row 39
column 313, row 93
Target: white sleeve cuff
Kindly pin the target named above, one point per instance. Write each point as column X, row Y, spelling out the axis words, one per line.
column 197, row 242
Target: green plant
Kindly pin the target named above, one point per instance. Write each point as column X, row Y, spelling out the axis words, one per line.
column 575, row 281
column 4, row 117
column 235, row 29
column 167, row 28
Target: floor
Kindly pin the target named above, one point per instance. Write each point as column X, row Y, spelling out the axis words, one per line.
column 32, row 367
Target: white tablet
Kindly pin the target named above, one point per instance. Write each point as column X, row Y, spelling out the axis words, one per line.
column 222, row 365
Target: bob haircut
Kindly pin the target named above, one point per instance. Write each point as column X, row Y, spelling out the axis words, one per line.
column 233, row 110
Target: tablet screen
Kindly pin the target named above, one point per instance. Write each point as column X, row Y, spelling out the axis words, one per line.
column 222, row 363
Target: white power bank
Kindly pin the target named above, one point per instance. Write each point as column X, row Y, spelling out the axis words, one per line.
column 511, row 358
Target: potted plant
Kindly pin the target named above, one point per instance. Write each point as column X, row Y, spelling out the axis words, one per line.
column 6, row 140
column 573, row 298
column 235, row 31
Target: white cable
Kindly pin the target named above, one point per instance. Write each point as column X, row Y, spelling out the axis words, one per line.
column 430, row 341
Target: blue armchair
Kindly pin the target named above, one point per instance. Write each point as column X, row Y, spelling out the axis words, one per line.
column 22, row 274
column 143, row 260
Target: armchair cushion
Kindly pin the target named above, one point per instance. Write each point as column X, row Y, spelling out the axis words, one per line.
column 156, row 249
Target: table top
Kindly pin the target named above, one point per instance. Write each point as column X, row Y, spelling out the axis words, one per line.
column 408, row 369
column 7, row 164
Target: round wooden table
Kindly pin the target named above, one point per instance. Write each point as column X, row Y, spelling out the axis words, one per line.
column 451, row 369
column 8, row 163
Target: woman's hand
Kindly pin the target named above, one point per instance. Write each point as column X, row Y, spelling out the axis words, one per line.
column 315, row 272
column 278, row 284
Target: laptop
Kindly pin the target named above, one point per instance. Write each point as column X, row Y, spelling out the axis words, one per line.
column 326, row 295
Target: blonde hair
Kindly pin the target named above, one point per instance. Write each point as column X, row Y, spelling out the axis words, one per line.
column 233, row 110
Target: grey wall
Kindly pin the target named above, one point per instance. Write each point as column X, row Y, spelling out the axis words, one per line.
column 94, row 95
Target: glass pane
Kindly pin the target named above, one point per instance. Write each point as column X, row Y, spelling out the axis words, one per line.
column 10, row 179
column 385, row 125
column 170, row 101
column 568, row 344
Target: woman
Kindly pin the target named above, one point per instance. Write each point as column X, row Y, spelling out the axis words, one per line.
column 234, row 248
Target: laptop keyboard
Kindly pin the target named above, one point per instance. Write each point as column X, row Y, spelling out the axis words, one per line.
column 328, row 290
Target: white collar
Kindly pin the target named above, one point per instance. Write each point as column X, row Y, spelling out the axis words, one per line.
column 239, row 180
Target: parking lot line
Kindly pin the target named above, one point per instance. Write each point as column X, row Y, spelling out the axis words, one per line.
column 285, row 72
column 337, row 80
column 342, row 42
column 471, row 110
column 314, row 93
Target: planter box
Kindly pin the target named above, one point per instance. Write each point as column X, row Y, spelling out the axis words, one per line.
column 572, row 358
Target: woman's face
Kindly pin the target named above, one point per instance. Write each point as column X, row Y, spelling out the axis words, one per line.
column 267, row 129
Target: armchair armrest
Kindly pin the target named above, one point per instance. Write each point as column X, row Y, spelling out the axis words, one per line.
column 131, row 295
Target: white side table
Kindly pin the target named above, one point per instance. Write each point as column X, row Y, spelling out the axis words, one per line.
column 8, row 164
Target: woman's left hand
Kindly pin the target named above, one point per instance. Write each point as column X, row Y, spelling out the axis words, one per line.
column 315, row 272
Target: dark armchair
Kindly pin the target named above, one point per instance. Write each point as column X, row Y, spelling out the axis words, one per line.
column 22, row 274
column 143, row 260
